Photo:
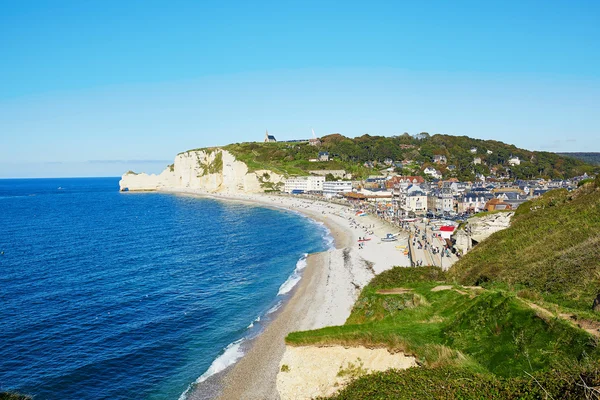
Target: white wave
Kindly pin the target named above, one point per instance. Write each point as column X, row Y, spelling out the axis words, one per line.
column 252, row 323
column 294, row 278
column 233, row 352
column 274, row 308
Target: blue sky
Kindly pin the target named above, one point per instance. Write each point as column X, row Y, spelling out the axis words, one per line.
column 97, row 88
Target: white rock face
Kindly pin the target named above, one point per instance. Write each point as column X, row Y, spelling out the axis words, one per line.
column 209, row 171
column 480, row 228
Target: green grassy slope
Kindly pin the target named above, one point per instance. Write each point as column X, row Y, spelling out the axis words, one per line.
column 550, row 252
column 485, row 330
column 471, row 343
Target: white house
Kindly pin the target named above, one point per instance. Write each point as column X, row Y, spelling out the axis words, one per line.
column 440, row 159
column 477, row 160
column 304, row 183
column 333, row 188
column 432, row 172
column 473, row 150
column 514, row 160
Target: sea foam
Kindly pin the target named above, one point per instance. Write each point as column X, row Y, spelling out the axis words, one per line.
column 231, row 354
column 294, row 278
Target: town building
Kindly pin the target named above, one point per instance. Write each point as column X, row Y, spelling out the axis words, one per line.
column 497, row 205
column 477, row 161
column 416, row 201
column 514, row 160
column 434, row 173
column 439, row 159
column 473, row 202
column 304, row 184
column 323, row 156
column 335, row 188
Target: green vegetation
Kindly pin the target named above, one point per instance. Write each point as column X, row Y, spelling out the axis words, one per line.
column 352, row 155
column 213, row 167
column 551, row 251
column 481, row 342
column 460, row 383
column 590, row 158
column 285, row 368
column 353, row 370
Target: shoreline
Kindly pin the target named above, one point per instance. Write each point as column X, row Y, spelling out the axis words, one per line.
column 324, row 296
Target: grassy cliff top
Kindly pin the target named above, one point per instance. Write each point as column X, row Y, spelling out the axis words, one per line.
column 551, row 250
column 468, row 341
column 291, row 158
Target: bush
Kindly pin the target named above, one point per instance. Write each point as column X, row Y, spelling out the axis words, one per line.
column 460, row 383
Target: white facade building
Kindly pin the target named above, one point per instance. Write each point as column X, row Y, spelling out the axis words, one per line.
column 514, row 161
column 416, row 202
column 304, row 183
column 333, row 188
column 432, row 172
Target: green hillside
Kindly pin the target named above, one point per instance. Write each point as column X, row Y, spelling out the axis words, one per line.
column 551, row 251
column 590, row 158
column 351, row 155
column 471, row 343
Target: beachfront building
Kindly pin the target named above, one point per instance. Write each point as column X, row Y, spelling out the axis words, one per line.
column 304, row 184
column 335, row 188
column 416, row 201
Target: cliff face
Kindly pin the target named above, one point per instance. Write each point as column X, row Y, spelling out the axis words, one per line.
column 211, row 170
column 480, row 228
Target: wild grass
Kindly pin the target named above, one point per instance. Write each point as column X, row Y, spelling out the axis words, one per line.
column 551, row 250
column 486, row 331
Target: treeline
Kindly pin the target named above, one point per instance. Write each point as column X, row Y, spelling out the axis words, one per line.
column 590, row 158
column 457, row 149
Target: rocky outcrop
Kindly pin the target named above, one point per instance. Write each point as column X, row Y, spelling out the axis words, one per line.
column 209, row 170
column 477, row 229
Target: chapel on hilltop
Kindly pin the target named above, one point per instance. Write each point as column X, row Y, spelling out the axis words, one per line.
column 269, row 138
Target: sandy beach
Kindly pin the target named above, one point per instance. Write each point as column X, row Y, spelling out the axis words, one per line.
column 325, row 295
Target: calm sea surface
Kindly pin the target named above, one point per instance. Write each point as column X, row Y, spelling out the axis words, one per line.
column 108, row 295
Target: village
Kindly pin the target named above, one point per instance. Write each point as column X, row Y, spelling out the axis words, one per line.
column 395, row 197
column 426, row 208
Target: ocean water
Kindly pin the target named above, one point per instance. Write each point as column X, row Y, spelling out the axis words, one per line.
column 108, row 295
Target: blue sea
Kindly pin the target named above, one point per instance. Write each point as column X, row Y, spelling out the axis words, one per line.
column 109, row 295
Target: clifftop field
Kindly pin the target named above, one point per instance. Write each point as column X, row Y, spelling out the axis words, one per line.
column 292, row 158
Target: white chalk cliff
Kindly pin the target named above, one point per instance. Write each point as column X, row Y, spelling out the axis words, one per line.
column 478, row 229
column 209, row 170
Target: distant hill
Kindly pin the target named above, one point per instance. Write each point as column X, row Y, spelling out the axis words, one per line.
column 367, row 154
column 590, row 158
column 551, row 251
